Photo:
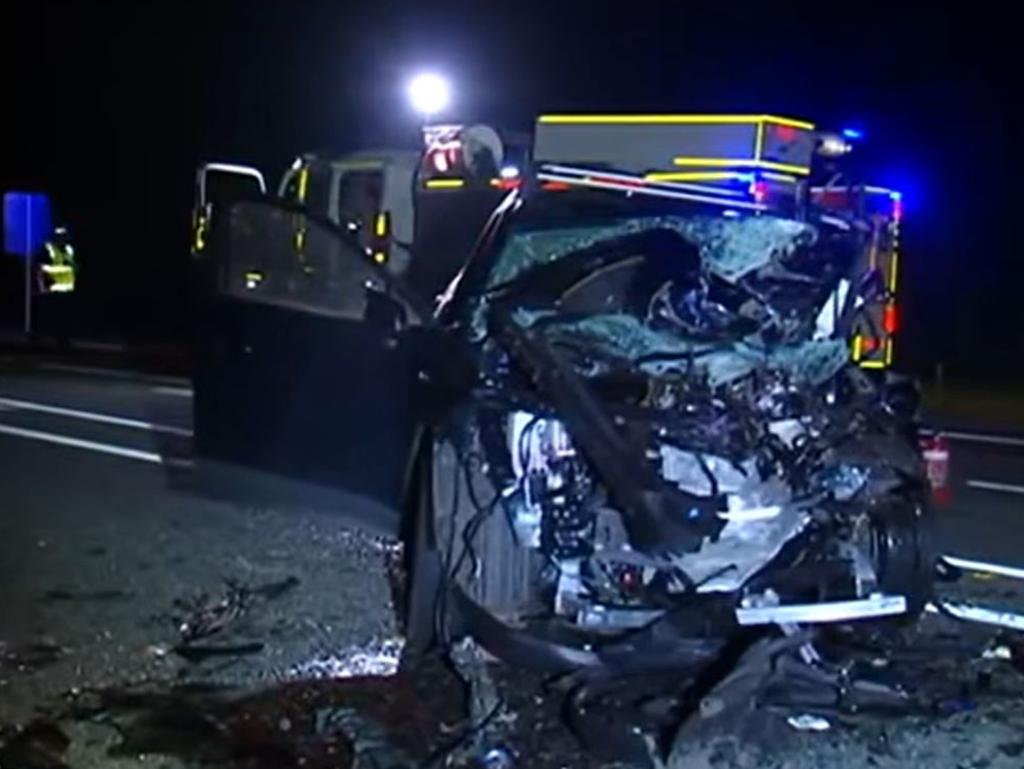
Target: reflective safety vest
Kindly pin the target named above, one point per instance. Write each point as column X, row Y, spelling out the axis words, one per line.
column 59, row 269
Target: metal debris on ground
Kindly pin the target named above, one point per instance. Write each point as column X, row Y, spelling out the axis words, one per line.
column 489, row 717
column 372, row 746
column 203, row 616
column 807, row 722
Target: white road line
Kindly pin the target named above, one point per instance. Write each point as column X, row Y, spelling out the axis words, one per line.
column 1009, row 488
column 995, row 440
column 92, row 416
column 64, row 440
column 180, row 392
column 1002, row 570
column 118, row 373
column 112, row 373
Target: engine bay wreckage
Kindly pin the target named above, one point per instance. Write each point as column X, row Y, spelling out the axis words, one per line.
column 672, row 472
column 669, row 426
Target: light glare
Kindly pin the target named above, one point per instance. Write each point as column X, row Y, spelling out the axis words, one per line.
column 429, row 93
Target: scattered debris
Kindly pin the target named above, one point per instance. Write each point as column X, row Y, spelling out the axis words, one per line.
column 372, row 746
column 198, row 653
column 1001, row 652
column 376, row 658
column 206, row 616
column 809, row 723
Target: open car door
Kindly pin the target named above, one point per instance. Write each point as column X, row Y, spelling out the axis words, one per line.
column 217, row 185
column 301, row 371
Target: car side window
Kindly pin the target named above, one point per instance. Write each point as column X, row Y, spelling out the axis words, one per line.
column 309, row 187
column 359, row 199
column 318, row 190
column 289, row 192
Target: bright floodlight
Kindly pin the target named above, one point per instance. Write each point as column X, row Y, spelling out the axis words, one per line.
column 429, row 93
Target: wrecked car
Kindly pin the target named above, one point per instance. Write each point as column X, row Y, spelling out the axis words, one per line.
column 664, row 438
column 634, row 422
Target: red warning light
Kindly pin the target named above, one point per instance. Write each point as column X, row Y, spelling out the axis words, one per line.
column 786, row 133
column 759, row 190
column 890, row 319
column 506, row 184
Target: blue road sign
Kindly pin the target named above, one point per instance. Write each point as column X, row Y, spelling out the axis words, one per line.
column 28, row 222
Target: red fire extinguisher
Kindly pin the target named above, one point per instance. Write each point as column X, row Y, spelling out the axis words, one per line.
column 935, row 452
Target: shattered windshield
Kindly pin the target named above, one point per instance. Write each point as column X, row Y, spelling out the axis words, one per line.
column 731, row 246
column 718, row 294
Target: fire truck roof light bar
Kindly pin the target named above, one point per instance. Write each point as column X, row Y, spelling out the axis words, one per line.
column 675, row 120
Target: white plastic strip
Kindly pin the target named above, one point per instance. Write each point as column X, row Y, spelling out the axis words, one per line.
column 582, row 173
column 91, row 416
column 970, row 613
column 995, row 440
column 77, row 443
column 817, row 613
column 999, row 569
column 751, row 513
column 1009, row 488
column 648, row 190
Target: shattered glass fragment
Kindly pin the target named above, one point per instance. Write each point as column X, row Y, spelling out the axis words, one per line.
column 376, row 658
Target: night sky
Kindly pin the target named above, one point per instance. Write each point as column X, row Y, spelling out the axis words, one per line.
column 110, row 106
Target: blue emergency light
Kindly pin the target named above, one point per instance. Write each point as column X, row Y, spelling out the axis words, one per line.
column 28, row 222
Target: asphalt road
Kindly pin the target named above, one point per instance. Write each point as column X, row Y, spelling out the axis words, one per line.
column 104, row 545
column 80, row 433
column 105, row 549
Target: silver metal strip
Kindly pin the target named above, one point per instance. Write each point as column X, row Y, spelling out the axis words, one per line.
column 879, row 605
column 648, row 190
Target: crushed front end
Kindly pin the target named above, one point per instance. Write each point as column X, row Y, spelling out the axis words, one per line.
column 668, row 444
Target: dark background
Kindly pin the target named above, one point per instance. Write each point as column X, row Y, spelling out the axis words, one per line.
column 110, row 106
